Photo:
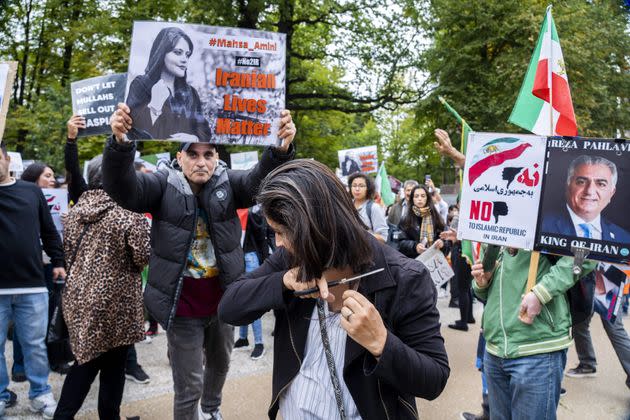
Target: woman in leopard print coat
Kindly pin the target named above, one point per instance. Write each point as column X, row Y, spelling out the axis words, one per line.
column 102, row 300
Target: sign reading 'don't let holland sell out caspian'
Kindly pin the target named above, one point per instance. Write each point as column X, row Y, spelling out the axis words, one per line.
column 501, row 189
column 198, row 83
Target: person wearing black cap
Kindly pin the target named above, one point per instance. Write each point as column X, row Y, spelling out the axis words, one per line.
column 196, row 250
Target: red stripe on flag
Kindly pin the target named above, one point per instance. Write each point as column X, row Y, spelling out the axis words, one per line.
column 494, row 160
column 566, row 125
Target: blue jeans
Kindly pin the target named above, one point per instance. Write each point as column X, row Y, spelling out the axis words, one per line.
column 30, row 316
column 526, row 387
column 252, row 263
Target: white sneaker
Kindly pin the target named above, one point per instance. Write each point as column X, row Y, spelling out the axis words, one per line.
column 3, row 406
column 44, row 404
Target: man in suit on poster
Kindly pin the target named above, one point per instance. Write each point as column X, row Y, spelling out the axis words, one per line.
column 591, row 185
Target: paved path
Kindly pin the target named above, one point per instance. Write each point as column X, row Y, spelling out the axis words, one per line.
column 248, row 390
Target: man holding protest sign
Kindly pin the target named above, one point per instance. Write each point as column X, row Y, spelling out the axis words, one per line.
column 195, row 252
column 527, row 332
column 25, row 221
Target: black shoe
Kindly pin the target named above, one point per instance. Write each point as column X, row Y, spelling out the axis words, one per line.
column 12, row 399
column 18, row 377
column 137, row 374
column 582, row 371
column 258, row 352
column 458, row 326
column 241, row 343
column 471, row 416
column 62, row 369
column 471, row 321
column 563, row 392
column 453, row 303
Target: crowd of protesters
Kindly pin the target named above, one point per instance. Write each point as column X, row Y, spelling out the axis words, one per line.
column 366, row 349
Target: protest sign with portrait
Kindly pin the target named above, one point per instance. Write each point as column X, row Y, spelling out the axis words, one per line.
column 501, row 189
column 203, row 83
column 57, row 200
column 96, row 99
column 7, row 75
column 585, row 198
column 359, row 159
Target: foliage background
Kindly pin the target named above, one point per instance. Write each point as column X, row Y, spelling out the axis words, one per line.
column 360, row 72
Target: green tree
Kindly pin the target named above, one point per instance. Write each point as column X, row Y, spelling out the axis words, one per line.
column 481, row 50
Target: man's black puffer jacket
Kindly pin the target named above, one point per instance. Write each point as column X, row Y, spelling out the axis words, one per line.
column 166, row 194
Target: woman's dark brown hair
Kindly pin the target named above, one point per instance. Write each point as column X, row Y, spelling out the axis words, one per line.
column 411, row 221
column 369, row 182
column 316, row 213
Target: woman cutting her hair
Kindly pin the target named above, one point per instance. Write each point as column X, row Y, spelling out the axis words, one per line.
column 359, row 350
column 163, row 105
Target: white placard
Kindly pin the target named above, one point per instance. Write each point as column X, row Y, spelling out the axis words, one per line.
column 244, row 160
column 16, row 164
column 438, row 266
column 359, row 159
column 57, row 199
column 501, row 189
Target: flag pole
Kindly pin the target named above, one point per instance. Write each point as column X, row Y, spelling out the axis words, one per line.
column 535, row 255
column 550, row 70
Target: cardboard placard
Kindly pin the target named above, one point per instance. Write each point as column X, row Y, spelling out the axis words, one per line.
column 501, row 189
column 203, row 83
column 96, row 99
column 16, row 165
column 585, row 198
column 57, row 199
column 7, row 76
column 359, row 159
column 438, row 266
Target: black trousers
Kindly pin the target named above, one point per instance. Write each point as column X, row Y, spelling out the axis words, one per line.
column 111, row 366
column 463, row 278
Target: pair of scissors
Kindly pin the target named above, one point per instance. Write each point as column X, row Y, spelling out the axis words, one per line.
column 337, row 283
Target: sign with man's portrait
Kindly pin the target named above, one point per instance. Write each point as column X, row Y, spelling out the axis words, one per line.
column 359, row 159
column 585, row 198
column 501, row 189
column 198, row 83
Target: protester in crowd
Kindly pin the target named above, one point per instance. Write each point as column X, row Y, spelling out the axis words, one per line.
column 25, row 221
column 43, row 176
column 163, row 105
column 422, row 225
column 40, row 174
column 76, row 187
column 107, row 248
column 453, row 211
column 398, row 210
column 384, row 347
column 527, row 332
column 256, row 246
column 462, row 279
column 196, row 250
column 439, row 203
column 615, row 331
column 363, row 190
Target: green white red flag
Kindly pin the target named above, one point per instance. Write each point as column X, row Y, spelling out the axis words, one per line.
column 533, row 108
column 383, row 187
